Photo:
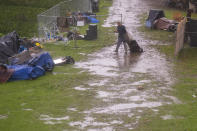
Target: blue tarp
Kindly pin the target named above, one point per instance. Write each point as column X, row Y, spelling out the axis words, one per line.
column 36, row 67
column 25, row 72
column 44, row 60
column 92, row 19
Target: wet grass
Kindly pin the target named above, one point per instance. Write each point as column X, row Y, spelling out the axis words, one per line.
column 23, row 102
column 184, row 115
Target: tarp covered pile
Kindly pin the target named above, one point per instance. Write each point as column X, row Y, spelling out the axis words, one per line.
column 28, row 64
column 157, row 20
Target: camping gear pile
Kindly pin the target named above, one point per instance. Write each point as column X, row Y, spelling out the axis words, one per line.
column 157, row 20
column 23, row 59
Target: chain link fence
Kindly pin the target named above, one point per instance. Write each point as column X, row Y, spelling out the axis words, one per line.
column 47, row 21
column 76, row 17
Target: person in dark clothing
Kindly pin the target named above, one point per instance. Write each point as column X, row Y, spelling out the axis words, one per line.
column 121, row 30
column 189, row 14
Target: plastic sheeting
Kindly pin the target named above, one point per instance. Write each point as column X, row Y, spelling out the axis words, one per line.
column 35, row 68
column 9, row 46
column 44, row 60
column 25, row 72
column 92, row 19
column 154, row 15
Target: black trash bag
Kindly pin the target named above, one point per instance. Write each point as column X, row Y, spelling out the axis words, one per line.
column 134, row 47
column 9, row 45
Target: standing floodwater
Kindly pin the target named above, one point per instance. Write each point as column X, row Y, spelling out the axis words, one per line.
column 128, row 86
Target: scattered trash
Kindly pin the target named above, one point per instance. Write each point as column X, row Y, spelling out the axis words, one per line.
column 3, row 117
column 140, row 88
column 167, row 117
column 194, row 96
column 74, row 35
column 63, row 61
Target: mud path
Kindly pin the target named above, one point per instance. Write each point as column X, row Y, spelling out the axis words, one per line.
column 119, row 104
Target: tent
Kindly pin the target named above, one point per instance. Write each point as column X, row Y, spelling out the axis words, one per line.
column 154, row 14
column 9, row 46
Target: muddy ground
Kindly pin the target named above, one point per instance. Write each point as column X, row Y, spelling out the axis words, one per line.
column 127, row 86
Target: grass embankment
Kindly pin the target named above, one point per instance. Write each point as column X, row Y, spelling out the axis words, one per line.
column 23, row 102
column 21, row 15
column 183, row 117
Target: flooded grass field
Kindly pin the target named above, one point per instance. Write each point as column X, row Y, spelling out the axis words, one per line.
column 108, row 91
column 120, row 102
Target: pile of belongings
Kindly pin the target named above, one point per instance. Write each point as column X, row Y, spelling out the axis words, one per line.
column 157, row 20
column 28, row 64
column 30, row 69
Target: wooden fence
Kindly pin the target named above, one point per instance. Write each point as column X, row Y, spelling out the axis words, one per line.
column 180, row 34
